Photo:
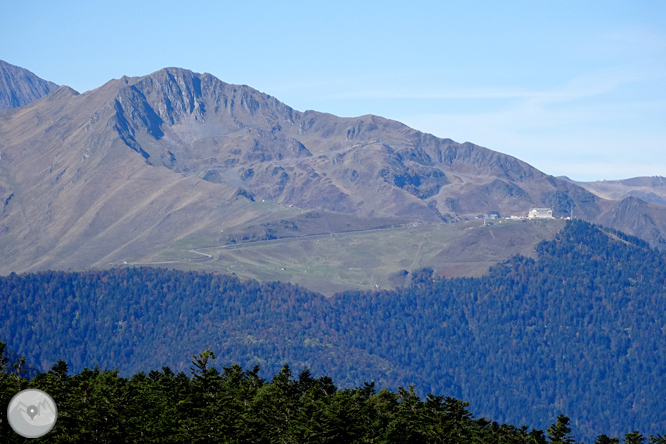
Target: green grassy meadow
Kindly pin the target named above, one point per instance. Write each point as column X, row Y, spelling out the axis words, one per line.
column 368, row 259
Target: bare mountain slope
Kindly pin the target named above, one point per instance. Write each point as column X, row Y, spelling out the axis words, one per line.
column 127, row 171
column 197, row 125
column 639, row 206
column 649, row 189
column 19, row 86
column 73, row 194
column 635, row 216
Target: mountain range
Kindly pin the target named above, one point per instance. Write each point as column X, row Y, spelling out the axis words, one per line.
column 183, row 169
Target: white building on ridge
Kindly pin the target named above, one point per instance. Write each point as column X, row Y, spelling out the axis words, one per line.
column 540, row 213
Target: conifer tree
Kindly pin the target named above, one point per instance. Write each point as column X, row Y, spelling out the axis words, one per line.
column 559, row 433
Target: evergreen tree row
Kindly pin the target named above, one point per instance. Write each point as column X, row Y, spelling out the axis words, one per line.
column 238, row 406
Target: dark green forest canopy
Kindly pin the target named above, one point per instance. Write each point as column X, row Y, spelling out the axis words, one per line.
column 238, row 406
column 579, row 331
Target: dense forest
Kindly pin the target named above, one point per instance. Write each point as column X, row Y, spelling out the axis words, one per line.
column 578, row 331
column 238, row 406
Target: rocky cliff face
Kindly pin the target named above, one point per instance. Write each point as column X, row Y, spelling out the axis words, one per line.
column 19, row 86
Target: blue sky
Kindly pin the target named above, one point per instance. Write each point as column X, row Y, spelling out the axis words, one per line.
column 575, row 88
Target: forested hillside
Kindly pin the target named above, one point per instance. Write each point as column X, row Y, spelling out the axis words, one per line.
column 580, row 331
column 238, row 406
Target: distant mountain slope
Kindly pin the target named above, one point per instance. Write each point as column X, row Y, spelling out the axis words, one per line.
column 639, row 218
column 639, row 208
column 19, row 86
column 197, row 125
column 650, row 189
column 129, row 170
column 578, row 331
column 74, row 193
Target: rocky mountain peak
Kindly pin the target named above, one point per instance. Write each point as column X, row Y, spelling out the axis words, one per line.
column 195, row 123
column 176, row 93
column 18, row 86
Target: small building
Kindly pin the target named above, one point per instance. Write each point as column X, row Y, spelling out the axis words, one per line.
column 540, row 213
column 494, row 215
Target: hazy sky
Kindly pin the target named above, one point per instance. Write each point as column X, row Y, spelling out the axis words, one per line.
column 575, row 88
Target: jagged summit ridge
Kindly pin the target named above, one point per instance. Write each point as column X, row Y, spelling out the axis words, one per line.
column 176, row 92
column 201, row 118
